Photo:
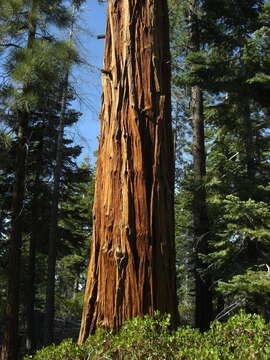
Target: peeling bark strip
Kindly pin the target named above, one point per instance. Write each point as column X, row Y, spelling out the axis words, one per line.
column 132, row 266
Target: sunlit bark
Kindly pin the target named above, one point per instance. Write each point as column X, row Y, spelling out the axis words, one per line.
column 132, row 266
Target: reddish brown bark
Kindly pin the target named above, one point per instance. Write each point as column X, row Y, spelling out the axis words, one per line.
column 132, row 266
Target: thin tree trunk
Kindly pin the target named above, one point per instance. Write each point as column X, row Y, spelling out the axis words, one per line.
column 203, row 300
column 50, row 288
column 30, row 306
column 31, row 338
column 132, row 265
column 30, row 296
column 203, row 297
column 10, row 346
column 252, row 248
column 249, row 146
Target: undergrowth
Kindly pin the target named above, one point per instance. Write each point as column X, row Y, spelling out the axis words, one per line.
column 242, row 337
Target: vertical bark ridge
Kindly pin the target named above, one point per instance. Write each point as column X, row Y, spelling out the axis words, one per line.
column 132, row 265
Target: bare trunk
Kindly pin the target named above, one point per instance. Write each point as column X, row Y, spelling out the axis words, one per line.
column 203, row 300
column 30, row 296
column 30, row 306
column 252, row 247
column 249, row 147
column 132, row 266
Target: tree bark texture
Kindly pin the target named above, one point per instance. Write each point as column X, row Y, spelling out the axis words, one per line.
column 203, row 294
column 132, row 265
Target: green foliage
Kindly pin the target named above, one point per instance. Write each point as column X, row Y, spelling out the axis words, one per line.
column 33, row 57
column 232, row 67
column 67, row 350
column 241, row 337
column 247, row 219
column 76, row 227
column 252, row 288
column 69, row 307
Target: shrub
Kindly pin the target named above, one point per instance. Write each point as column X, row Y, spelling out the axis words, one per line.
column 67, row 350
column 243, row 336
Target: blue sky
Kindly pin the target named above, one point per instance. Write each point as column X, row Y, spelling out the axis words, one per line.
column 87, row 79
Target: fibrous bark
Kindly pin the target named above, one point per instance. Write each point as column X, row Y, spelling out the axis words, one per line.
column 132, row 265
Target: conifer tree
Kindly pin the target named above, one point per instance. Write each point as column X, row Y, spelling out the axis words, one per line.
column 11, row 346
column 23, row 59
column 231, row 69
column 188, row 43
column 132, row 266
column 203, row 301
column 50, row 289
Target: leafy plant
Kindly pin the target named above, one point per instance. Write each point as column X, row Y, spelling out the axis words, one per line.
column 243, row 336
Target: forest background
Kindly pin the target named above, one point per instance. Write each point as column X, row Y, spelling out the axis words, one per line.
column 220, row 86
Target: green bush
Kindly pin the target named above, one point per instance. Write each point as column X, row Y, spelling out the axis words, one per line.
column 243, row 336
column 67, row 350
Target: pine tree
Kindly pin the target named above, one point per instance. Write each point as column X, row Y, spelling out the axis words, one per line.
column 203, row 308
column 188, row 43
column 50, row 289
column 236, row 119
column 231, row 69
column 23, row 59
column 11, row 346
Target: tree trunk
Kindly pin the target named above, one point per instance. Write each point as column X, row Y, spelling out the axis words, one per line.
column 252, row 250
column 50, row 288
column 249, row 146
column 203, row 301
column 132, row 265
column 31, row 324
column 30, row 296
column 10, row 346
column 203, row 296
column 30, row 306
